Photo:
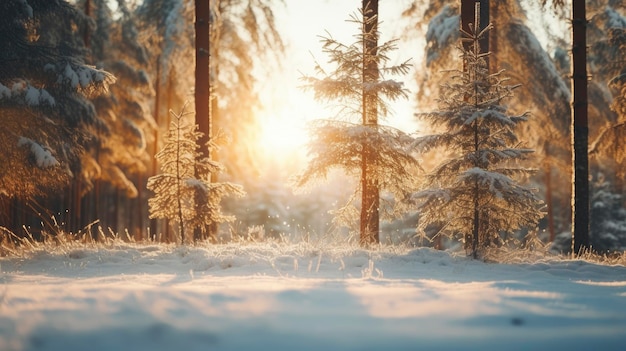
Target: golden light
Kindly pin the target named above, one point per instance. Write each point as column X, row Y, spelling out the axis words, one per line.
column 282, row 135
column 284, row 126
column 287, row 109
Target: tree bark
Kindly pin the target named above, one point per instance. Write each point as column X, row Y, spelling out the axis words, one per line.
column 580, row 130
column 179, row 200
column 370, row 192
column 549, row 200
column 155, row 167
column 202, row 93
column 214, row 73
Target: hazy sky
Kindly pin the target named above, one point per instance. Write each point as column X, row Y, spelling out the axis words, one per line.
column 301, row 23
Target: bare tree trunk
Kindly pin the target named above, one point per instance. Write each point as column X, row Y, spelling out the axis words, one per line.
column 211, row 233
column 75, row 207
column 486, row 17
column 580, row 130
column 170, row 97
column 202, row 94
column 370, row 192
column 549, row 199
column 139, row 209
column 179, row 200
column 157, row 106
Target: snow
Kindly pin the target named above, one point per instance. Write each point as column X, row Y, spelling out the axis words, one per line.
column 5, row 92
column 614, row 19
column 302, row 297
column 25, row 93
column 43, row 156
column 34, row 97
column 69, row 75
column 443, row 29
column 78, row 76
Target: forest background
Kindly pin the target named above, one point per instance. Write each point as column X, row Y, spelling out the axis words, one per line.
column 103, row 141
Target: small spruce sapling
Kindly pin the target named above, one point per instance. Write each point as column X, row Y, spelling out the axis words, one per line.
column 183, row 192
column 475, row 192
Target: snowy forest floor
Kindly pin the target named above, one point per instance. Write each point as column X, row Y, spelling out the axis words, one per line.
column 269, row 296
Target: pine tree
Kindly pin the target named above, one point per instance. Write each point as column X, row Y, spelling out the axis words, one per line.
column 516, row 46
column 244, row 38
column 378, row 155
column 184, row 193
column 116, row 47
column 474, row 193
column 48, row 121
column 607, row 227
column 607, row 55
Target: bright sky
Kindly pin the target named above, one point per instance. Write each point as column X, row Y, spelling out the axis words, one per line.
column 289, row 107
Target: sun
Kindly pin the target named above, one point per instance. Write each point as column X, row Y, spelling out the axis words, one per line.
column 281, row 135
column 284, row 132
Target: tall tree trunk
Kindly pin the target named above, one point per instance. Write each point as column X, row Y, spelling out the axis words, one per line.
column 139, row 209
column 549, row 197
column 475, row 13
column 179, row 200
column 491, row 16
column 169, row 104
column 202, row 93
column 211, row 233
column 88, row 203
column 580, row 130
column 370, row 192
column 155, row 167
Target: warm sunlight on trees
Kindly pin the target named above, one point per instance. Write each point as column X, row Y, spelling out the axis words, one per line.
column 202, row 94
column 79, row 150
column 183, row 192
column 474, row 193
column 379, row 155
column 126, row 109
column 607, row 54
column 48, row 121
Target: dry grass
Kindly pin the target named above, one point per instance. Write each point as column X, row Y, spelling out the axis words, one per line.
column 532, row 251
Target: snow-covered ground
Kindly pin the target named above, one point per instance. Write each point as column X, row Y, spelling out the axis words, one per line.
column 298, row 297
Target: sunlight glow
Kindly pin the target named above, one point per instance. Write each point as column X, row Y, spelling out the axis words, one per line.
column 288, row 109
column 282, row 136
column 284, row 125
